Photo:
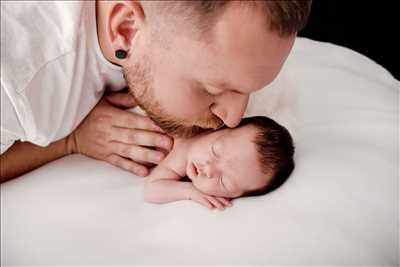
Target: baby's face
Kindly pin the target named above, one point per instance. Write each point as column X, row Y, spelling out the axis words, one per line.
column 225, row 163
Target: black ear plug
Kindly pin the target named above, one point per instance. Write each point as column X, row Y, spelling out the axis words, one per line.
column 121, row 54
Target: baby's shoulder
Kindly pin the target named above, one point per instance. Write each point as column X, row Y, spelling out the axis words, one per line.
column 176, row 160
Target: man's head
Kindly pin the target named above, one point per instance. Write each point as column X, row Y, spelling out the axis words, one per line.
column 193, row 64
column 253, row 159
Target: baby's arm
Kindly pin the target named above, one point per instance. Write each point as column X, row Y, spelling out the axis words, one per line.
column 163, row 186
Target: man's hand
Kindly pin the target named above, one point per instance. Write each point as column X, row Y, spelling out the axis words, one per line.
column 206, row 200
column 122, row 138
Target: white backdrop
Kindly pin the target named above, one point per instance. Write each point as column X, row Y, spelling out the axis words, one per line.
column 340, row 206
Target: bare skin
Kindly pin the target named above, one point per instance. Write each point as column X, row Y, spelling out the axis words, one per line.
column 193, row 83
column 221, row 165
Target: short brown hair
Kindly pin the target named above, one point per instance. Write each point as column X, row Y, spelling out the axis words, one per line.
column 275, row 148
column 285, row 17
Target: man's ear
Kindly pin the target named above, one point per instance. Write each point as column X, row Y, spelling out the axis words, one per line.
column 125, row 19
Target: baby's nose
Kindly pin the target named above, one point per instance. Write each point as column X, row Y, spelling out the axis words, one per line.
column 207, row 171
column 210, row 171
column 204, row 170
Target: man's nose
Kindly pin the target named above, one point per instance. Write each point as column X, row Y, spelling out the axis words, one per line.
column 230, row 108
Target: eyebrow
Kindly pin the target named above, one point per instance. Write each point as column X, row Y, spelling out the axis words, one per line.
column 221, row 151
column 223, row 185
column 226, row 87
column 219, row 158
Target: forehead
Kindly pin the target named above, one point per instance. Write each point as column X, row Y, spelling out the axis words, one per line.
column 241, row 53
column 240, row 158
column 253, row 54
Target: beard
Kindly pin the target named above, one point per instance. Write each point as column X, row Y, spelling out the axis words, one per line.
column 140, row 83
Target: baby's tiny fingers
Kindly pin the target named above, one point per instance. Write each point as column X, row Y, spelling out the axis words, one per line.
column 215, row 202
column 225, row 201
column 204, row 202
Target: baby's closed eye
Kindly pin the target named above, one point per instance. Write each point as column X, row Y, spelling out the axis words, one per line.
column 213, row 151
column 221, row 181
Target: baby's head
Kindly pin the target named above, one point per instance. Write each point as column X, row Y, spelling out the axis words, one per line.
column 253, row 159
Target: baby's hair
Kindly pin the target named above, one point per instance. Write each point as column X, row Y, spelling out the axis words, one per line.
column 275, row 151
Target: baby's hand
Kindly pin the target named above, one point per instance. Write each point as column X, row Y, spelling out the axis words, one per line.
column 209, row 201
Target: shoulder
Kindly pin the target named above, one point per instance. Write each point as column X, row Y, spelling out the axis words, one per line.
column 34, row 33
column 163, row 171
column 48, row 71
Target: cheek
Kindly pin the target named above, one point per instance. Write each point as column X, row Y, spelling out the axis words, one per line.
column 183, row 102
column 207, row 186
column 200, row 154
column 176, row 93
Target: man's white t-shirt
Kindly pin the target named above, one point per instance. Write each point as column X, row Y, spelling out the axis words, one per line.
column 52, row 69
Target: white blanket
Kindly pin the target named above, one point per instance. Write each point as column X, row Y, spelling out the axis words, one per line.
column 340, row 206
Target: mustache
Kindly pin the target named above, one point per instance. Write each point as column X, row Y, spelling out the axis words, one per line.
column 142, row 92
column 179, row 128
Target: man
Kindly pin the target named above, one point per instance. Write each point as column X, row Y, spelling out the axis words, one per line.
column 190, row 65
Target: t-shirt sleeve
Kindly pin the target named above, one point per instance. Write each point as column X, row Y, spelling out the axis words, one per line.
column 10, row 126
column 5, row 144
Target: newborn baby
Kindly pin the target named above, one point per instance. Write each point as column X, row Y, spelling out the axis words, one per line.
column 252, row 159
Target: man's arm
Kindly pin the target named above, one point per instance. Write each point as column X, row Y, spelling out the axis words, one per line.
column 22, row 157
column 108, row 133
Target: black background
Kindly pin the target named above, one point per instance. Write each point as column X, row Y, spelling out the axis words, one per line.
column 371, row 28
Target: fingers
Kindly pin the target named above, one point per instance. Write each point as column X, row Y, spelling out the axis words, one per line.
column 203, row 201
column 219, row 202
column 123, row 100
column 137, row 153
column 127, row 165
column 209, row 201
column 126, row 119
column 140, row 137
column 226, row 202
column 215, row 202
